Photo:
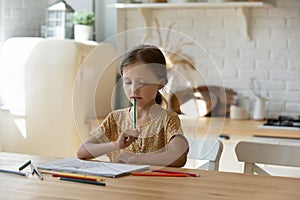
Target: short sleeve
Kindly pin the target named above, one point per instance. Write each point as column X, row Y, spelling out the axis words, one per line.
column 107, row 131
column 173, row 126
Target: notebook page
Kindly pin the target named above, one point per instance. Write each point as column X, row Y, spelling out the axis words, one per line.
column 75, row 165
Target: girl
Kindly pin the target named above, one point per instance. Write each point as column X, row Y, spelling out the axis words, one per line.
column 158, row 138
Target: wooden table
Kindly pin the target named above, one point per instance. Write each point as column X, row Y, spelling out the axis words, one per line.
column 211, row 185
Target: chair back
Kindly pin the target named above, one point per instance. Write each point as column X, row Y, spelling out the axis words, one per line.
column 253, row 153
column 49, row 82
column 206, row 149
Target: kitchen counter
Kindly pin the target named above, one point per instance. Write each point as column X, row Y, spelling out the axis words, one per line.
column 235, row 128
column 212, row 126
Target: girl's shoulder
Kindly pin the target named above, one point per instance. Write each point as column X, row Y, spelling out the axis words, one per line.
column 171, row 114
column 120, row 111
column 116, row 116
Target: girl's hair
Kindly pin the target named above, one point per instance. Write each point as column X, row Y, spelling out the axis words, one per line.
column 153, row 57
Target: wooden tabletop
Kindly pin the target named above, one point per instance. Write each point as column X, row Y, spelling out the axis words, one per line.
column 210, row 185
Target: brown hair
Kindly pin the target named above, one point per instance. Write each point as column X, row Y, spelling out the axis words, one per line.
column 150, row 55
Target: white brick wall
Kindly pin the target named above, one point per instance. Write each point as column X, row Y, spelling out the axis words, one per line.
column 272, row 56
column 21, row 18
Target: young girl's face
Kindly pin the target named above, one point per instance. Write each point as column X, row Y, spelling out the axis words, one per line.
column 140, row 83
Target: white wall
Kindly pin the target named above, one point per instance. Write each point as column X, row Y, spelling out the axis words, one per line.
column 21, row 18
column 272, row 56
column 25, row 17
column 81, row 5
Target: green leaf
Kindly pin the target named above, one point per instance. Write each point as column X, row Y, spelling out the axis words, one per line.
column 84, row 18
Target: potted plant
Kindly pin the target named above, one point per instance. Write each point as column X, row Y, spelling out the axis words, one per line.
column 83, row 25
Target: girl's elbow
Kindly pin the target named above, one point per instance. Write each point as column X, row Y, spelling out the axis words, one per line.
column 180, row 162
column 82, row 153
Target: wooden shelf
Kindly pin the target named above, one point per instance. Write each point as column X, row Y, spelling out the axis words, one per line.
column 191, row 5
column 244, row 9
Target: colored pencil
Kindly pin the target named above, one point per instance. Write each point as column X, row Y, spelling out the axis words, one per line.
column 82, row 181
column 36, row 171
column 134, row 113
column 38, row 174
column 172, row 172
column 77, row 176
column 13, row 172
column 157, row 174
column 24, row 165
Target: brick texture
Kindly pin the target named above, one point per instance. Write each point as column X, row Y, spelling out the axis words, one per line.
column 271, row 57
column 220, row 50
column 21, row 18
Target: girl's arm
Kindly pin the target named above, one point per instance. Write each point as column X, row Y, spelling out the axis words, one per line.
column 175, row 154
column 92, row 148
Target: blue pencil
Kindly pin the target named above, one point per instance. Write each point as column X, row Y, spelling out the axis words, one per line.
column 12, row 172
column 25, row 165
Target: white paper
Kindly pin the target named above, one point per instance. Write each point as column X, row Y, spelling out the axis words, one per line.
column 75, row 165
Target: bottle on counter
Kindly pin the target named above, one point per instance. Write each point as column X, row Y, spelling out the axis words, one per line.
column 259, row 112
column 239, row 108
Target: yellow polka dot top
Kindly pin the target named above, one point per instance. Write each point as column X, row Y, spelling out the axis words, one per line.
column 154, row 136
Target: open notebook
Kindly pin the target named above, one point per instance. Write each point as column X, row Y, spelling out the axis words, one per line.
column 75, row 165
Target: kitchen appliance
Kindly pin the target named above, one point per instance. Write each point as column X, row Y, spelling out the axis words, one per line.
column 283, row 122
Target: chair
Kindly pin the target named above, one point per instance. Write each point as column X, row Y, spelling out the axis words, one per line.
column 54, row 120
column 208, row 150
column 253, row 153
column 75, row 82
column 49, row 82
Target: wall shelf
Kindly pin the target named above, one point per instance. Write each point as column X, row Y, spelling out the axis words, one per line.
column 191, row 5
column 244, row 9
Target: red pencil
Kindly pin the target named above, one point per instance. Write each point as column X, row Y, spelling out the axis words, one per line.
column 157, row 174
column 172, row 172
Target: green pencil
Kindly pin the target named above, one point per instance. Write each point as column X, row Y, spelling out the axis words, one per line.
column 134, row 113
column 82, row 181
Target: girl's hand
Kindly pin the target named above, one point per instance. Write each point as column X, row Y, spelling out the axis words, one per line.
column 126, row 157
column 126, row 138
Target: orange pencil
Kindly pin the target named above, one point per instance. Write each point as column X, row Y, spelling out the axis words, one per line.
column 77, row 176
